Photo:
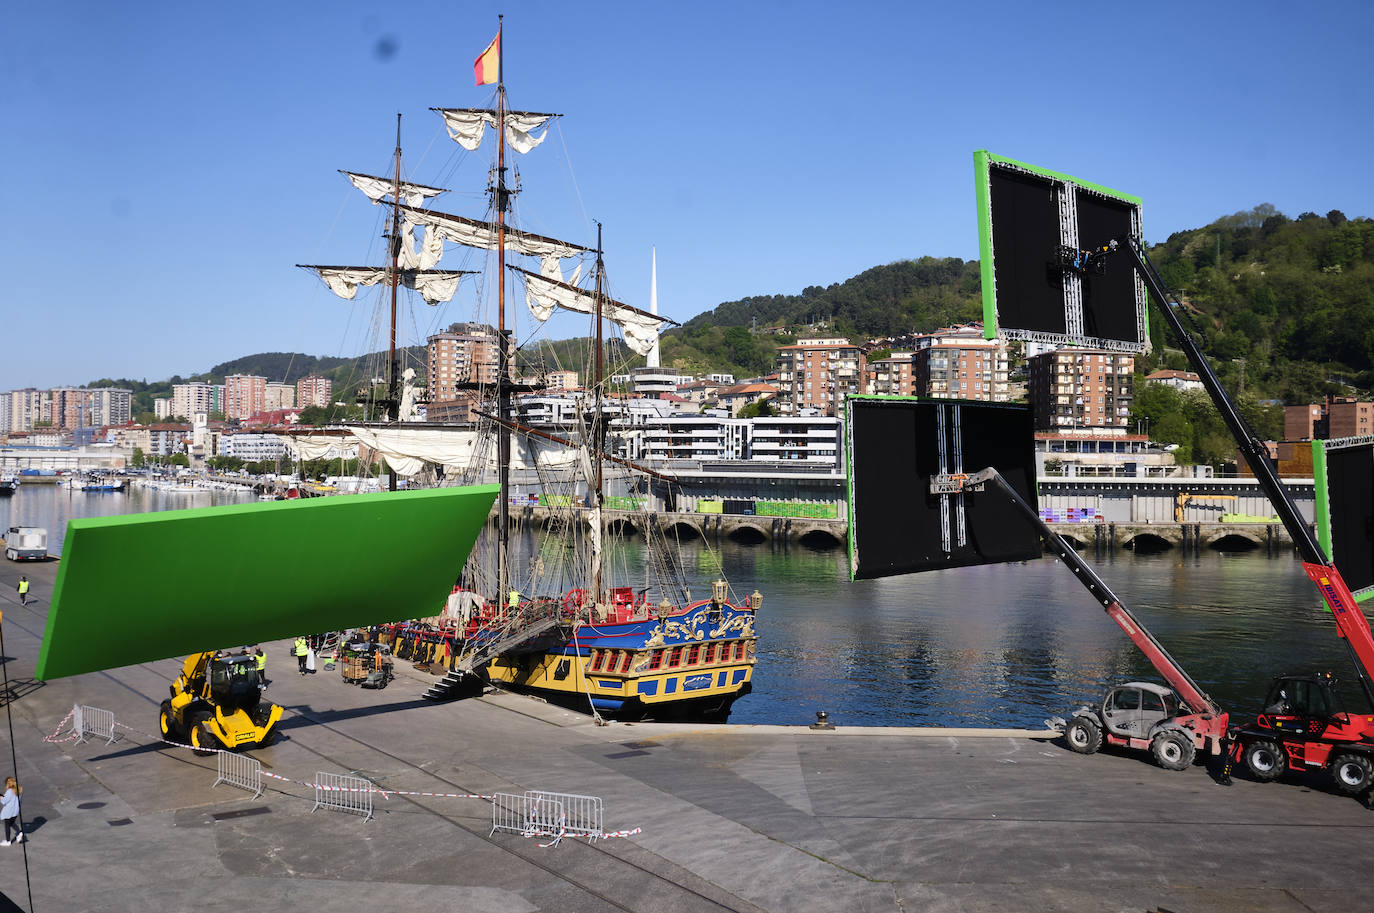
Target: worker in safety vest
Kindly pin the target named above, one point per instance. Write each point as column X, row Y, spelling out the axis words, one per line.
column 261, row 658
column 514, row 600
column 23, row 589
column 302, row 651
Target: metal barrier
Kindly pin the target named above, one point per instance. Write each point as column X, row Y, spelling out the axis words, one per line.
column 528, row 817
column 544, row 814
column 343, row 794
column 238, row 770
column 582, row 816
column 93, row 721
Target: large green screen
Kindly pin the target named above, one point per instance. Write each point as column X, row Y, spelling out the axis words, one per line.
column 151, row 586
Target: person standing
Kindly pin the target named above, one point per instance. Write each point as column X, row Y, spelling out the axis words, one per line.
column 9, row 811
column 302, row 651
column 261, row 658
column 23, row 589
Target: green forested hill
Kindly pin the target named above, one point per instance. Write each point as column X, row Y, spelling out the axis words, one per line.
column 1284, row 306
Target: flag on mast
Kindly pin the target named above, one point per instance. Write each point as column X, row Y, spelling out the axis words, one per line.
column 487, row 66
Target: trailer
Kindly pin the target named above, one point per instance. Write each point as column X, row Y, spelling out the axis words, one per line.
column 26, row 543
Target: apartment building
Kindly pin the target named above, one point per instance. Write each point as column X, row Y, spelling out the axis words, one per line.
column 252, row 447
column 1338, row 417
column 244, row 395
column 817, row 374
column 313, row 390
column 1081, row 388
column 27, row 407
column 890, row 376
column 278, row 396
column 191, row 399
column 109, row 406
column 958, row 363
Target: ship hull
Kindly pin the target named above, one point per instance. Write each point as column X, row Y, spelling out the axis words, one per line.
column 690, row 666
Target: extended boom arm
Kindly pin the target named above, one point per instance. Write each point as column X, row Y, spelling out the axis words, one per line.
column 1350, row 620
column 1192, row 696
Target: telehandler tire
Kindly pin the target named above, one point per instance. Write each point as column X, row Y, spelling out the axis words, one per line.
column 1173, row 750
column 1083, row 735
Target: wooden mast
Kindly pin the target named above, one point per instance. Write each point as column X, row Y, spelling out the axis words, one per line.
column 598, row 494
column 503, row 354
column 393, row 394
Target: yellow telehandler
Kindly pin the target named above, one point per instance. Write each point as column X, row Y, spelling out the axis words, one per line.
column 217, row 703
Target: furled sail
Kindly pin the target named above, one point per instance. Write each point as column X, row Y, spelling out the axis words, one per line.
column 321, row 446
column 440, row 227
column 543, row 294
column 434, row 285
column 407, row 450
column 466, row 126
column 378, row 189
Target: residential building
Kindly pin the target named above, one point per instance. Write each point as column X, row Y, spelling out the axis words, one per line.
column 162, row 407
column 244, row 394
column 1338, row 417
column 891, row 376
column 793, row 439
column 733, row 399
column 109, row 406
column 313, row 390
column 252, row 447
column 958, row 363
column 654, row 382
column 67, row 408
column 189, row 399
column 1081, row 388
column 463, row 355
column 168, row 438
column 562, row 380
column 1179, row 380
column 28, row 406
column 817, row 374
column 695, row 437
column 278, row 396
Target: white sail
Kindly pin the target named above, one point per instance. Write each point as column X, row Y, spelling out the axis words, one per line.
column 543, row 294
column 377, row 189
column 321, row 446
column 440, row 227
column 467, row 126
column 434, row 286
column 408, row 450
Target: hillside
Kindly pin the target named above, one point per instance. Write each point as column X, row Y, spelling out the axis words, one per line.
column 1285, row 307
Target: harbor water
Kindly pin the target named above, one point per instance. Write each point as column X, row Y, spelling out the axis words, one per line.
column 1004, row 645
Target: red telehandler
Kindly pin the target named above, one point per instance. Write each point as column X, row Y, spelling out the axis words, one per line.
column 1302, row 725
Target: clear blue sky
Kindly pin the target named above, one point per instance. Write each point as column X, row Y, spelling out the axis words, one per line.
column 168, row 163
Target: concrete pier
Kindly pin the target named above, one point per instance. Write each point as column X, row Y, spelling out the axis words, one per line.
column 739, row 818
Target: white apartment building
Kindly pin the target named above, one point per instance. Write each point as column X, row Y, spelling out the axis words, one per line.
column 110, row 406
column 278, row 396
column 252, row 447
column 189, row 399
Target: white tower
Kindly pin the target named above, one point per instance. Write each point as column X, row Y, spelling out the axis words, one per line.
column 651, row 360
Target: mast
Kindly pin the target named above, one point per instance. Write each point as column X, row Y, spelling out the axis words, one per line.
column 598, row 495
column 500, row 199
column 393, row 394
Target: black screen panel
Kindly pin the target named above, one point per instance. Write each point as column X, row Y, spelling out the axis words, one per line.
column 895, row 521
column 1109, row 300
column 1350, row 493
column 1025, row 238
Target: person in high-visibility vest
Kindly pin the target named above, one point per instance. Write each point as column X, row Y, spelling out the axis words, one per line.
column 261, row 658
column 302, row 651
column 514, row 600
column 23, row 589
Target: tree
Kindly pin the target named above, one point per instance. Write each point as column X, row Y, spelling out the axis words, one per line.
column 760, row 408
column 179, row 459
column 138, row 459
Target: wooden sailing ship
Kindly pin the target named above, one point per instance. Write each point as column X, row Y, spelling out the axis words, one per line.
column 559, row 623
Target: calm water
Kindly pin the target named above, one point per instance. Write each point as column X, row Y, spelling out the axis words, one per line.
column 1004, row 645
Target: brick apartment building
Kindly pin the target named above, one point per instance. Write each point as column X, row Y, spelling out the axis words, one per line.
column 1081, row 388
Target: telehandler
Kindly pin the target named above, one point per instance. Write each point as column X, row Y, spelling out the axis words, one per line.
column 217, row 703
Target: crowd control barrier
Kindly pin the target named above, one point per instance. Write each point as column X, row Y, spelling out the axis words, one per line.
column 341, row 793
column 93, row 721
column 241, row 771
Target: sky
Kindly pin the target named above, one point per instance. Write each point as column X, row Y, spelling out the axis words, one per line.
column 170, row 163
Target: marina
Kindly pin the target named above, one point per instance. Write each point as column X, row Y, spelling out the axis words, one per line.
column 990, row 646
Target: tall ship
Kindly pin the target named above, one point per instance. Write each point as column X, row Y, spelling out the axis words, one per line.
column 563, row 611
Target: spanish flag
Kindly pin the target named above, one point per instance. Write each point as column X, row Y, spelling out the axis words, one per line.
column 487, row 66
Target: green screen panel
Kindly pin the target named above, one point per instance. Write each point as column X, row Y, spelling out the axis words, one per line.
column 151, row 586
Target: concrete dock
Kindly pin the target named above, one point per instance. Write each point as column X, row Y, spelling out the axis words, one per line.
column 742, row 818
